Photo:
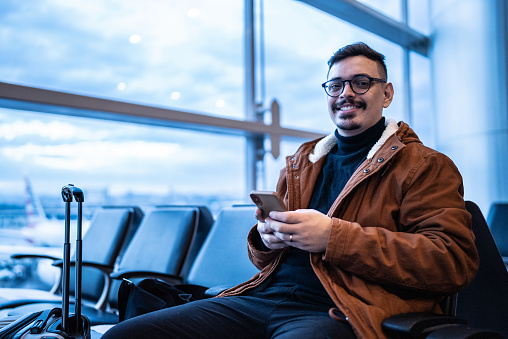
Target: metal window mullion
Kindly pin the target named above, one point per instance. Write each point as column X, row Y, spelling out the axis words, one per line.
column 408, row 100
column 252, row 141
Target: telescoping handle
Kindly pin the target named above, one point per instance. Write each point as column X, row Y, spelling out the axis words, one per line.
column 68, row 192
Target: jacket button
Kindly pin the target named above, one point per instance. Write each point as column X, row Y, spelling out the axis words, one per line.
column 380, row 160
column 366, row 170
column 296, row 176
column 293, row 158
column 294, row 166
column 394, row 147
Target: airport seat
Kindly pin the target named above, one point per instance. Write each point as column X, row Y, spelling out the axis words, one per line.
column 205, row 222
column 497, row 220
column 158, row 248
column 481, row 308
column 111, row 228
column 223, row 259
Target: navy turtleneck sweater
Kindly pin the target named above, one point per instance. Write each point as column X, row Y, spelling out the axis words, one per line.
column 340, row 163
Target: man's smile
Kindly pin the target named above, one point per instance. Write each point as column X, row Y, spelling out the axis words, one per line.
column 346, row 106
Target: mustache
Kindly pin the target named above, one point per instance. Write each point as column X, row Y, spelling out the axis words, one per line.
column 349, row 101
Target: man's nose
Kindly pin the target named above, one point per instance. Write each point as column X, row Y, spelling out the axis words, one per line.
column 347, row 91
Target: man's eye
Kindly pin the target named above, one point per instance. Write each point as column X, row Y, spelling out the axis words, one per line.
column 362, row 83
column 335, row 87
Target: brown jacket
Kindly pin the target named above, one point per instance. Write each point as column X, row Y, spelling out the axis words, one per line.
column 401, row 238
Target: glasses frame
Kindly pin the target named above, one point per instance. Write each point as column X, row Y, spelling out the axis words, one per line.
column 371, row 79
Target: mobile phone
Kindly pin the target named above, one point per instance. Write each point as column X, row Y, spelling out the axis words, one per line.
column 267, row 201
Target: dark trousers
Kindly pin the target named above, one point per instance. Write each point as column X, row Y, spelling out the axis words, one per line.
column 274, row 312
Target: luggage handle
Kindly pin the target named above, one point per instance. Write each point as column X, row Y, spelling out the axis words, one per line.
column 68, row 192
column 41, row 320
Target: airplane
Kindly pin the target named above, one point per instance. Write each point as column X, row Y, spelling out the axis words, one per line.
column 40, row 236
column 40, row 231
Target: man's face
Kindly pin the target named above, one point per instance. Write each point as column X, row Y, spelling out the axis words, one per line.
column 354, row 113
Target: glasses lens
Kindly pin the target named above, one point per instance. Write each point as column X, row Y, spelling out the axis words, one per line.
column 334, row 87
column 360, row 84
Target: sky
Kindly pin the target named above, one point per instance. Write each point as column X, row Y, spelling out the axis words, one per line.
column 126, row 157
column 184, row 55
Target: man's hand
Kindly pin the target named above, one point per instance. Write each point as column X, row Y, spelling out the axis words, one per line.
column 266, row 233
column 308, row 230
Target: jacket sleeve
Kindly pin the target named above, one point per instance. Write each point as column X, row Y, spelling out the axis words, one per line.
column 432, row 248
column 259, row 254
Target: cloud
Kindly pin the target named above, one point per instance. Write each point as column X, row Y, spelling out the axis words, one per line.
column 91, row 155
column 53, row 130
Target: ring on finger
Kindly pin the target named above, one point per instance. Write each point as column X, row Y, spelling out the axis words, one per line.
column 291, row 238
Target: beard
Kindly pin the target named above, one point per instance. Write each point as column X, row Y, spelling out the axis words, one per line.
column 346, row 122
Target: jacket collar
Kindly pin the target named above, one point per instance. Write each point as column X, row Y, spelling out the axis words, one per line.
column 326, row 144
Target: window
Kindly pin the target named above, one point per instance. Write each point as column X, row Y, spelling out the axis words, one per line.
column 422, row 108
column 296, row 61
column 418, row 15
column 391, row 8
column 118, row 163
column 185, row 55
column 296, row 65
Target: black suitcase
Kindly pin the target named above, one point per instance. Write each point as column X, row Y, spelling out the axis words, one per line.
column 56, row 323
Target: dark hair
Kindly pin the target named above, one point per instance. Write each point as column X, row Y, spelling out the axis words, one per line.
column 359, row 48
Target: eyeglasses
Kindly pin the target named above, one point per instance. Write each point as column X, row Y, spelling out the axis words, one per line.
column 360, row 84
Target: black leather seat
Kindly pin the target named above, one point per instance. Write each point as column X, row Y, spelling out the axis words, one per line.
column 110, row 230
column 481, row 309
column 158, row 248
column 498, row 222
column 205, row 222
column 223, row 260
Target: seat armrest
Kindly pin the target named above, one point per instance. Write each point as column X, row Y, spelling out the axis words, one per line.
column 416, row 324
column 146, row 274
column 216, row 290
column 106, row 269
column 34, row 256
column 463, row 332
column 41, row 256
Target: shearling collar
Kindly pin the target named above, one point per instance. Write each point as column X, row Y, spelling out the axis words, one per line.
column 326, row 144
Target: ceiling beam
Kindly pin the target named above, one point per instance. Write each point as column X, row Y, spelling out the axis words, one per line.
column 373, row 21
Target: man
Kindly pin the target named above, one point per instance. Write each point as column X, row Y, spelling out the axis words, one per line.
column 377, row 226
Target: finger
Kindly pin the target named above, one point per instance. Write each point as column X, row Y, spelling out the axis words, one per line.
column 259, row 215
column 281, row 227
column 291, row 217
column 273, row 242
column 286, row 237
column 278, row 246
column 280, row 216
column 263, row 228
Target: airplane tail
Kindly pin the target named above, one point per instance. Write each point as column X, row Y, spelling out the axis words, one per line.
column 41, row 230
column 34, row 211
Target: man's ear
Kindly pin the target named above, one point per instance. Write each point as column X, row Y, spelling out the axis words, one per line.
column 388, row 94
